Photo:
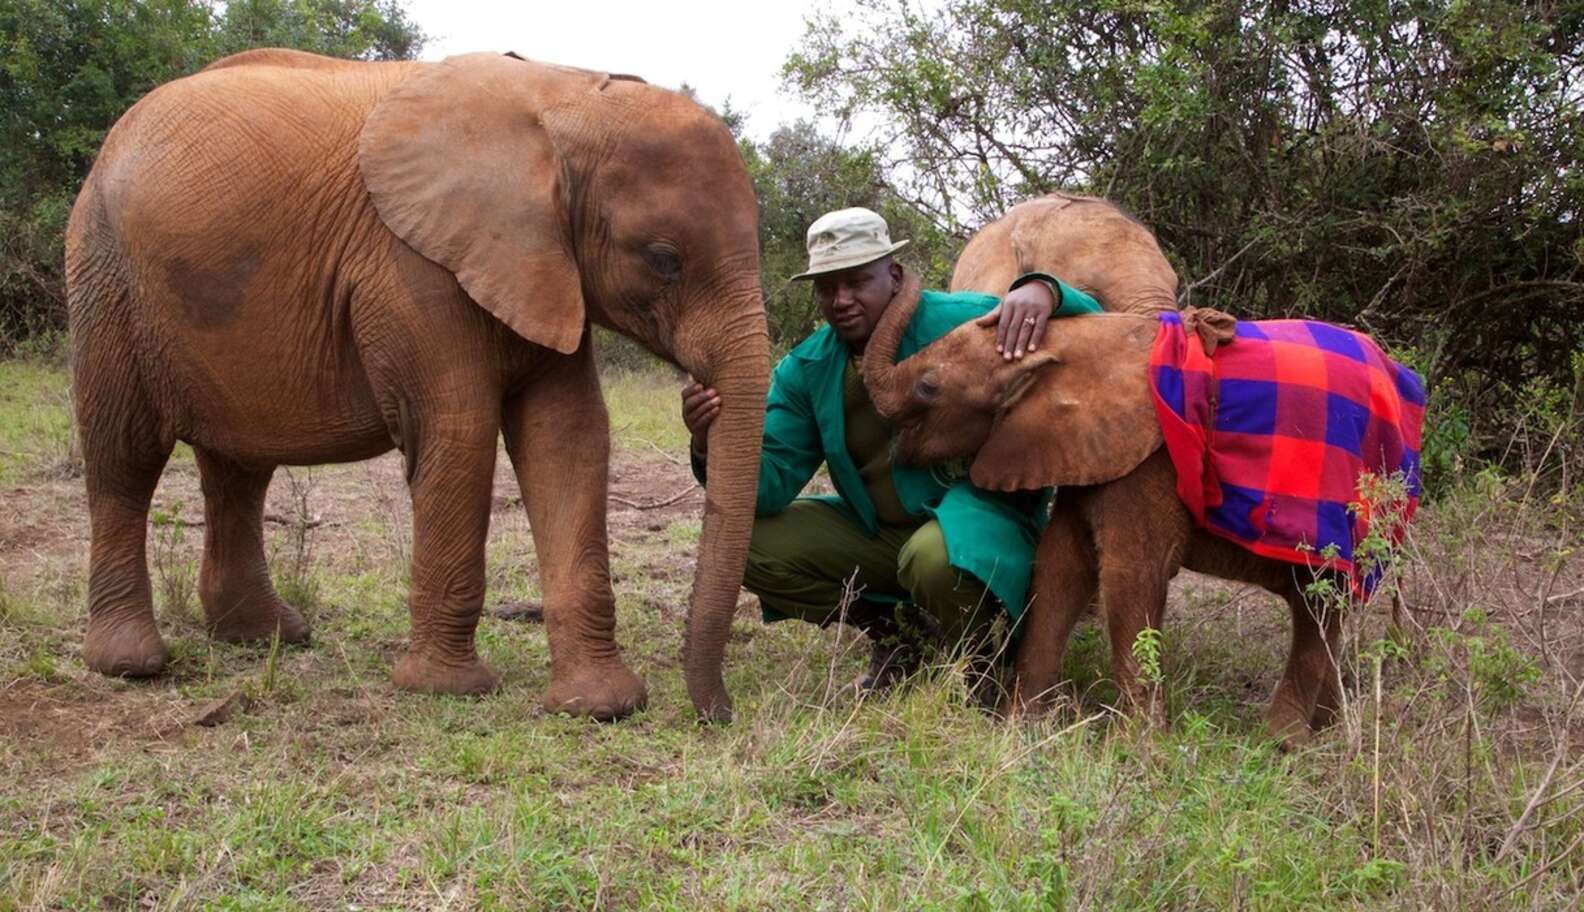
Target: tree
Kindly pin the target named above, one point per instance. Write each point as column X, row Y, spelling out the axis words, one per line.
column 1409, row 166
column 69, row 68
column 800, row 174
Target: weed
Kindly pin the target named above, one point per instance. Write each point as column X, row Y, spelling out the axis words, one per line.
column 295, row 579
column 1147, row 652
column 174, row 568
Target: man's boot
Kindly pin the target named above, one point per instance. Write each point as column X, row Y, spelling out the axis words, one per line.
column 894, row 650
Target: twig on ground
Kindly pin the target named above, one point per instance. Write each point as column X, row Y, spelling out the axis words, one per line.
column 663, row 454
column 617, row 498
column 275, row 518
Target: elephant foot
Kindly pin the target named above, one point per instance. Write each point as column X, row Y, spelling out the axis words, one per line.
column 242, row 625
column 1023, row 703
column 602, row 692
column 131, row 649
column 422, row 673
column 1288, row 725
column 1146, row 706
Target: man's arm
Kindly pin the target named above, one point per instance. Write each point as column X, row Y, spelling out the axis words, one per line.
column 791, row 452
column 1029, row 304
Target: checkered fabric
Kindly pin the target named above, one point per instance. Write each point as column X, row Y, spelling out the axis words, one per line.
column 1270, row 435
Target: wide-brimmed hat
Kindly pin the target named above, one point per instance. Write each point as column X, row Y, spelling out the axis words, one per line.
column 847, row 238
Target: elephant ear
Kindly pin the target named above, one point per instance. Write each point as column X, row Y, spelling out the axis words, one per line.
column 1083, row 420
column 459, row 166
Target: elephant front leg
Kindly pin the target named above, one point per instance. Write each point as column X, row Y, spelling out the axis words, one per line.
column 1064, row 583
column 558, row 437
column 452, row 475
column 1133, row 598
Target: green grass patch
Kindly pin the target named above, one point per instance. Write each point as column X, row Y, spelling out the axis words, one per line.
column 333, row 791
column 35, row 419
column 646, row 408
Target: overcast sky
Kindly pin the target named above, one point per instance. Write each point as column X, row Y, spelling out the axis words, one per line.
column 723, row 48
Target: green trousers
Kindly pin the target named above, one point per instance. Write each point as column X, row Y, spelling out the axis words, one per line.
column 803, row 561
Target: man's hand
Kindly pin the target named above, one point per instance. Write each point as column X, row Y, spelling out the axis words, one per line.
column 699, row 408
column 1020, row 319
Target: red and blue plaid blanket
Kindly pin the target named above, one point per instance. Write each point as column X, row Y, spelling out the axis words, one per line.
column 1271, row 435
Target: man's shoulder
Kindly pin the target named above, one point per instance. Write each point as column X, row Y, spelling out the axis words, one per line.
column 939, row 312
column 953, row 307
column 820, row 344
column 974, row 299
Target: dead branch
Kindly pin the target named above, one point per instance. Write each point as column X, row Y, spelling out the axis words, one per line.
column 275, row 518
column 657, row 504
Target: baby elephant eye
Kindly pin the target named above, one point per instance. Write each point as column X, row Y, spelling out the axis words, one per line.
column 663, row 261
column 927, row 388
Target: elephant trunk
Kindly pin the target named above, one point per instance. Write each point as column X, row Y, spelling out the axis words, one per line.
column 884, row 379
column 741, row 377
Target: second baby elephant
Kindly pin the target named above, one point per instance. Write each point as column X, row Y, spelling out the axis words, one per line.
column 1192, row 440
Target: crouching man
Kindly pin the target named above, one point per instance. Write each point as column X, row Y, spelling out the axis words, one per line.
column 898, row 553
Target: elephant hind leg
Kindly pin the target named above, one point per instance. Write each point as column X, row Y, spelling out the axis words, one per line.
column 240, row 604
column 123, row 458
column 1307, row 693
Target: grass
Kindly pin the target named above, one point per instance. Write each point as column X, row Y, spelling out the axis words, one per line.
column 334, row 791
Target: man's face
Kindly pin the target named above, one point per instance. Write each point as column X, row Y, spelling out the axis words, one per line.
column 852, row 300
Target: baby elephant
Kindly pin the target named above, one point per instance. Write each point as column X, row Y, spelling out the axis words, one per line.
column 1192, row 440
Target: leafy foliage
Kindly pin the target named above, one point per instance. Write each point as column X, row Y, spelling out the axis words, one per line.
column 1408, row 166
column 799, row 175
column 69, row 68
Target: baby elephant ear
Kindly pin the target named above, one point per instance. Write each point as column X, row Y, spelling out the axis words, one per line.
column 1213, row 327
column 1075, row 423
column 459, row 166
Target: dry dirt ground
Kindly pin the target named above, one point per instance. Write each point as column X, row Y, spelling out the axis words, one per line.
column 360, row 518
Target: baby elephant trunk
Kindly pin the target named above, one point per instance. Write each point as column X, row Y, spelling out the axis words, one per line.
column 887, row 383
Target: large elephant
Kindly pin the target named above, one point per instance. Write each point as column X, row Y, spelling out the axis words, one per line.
column 1087, row 242
column 1081, row 413
column 288, row 259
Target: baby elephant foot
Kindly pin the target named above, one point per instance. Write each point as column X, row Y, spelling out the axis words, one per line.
column 248, row 625
column 603, row 692
column 1025, row 703
column 130, row 649
column 423, row 673
column 1288, row 726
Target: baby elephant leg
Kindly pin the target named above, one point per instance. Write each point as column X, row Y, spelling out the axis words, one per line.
column 1308, row 692
column 1064, row 584
column 1141, row 532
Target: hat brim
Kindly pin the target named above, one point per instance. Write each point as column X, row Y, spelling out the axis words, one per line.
column 848, row 262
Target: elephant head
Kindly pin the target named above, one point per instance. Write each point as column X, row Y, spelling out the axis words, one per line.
column 1079, row 411
column 560, row 196
column 1087, row 242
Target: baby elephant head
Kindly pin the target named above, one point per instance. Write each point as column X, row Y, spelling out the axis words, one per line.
column 1078, row 411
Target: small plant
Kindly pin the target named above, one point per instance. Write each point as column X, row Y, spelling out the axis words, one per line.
column 1480, row 656
column 1147, row 652
column 272, row 663
column 296, row 580
column 173, row 569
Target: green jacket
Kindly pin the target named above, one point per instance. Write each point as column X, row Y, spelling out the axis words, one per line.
column 988, row 534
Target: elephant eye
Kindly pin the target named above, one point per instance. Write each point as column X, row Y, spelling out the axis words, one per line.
column 663, row 261
column 927, row 388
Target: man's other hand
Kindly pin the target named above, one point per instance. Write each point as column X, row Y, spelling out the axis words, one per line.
column 700, row 405
column 1020, row 319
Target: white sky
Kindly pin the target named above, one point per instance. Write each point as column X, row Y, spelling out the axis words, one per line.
column 719, row 47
